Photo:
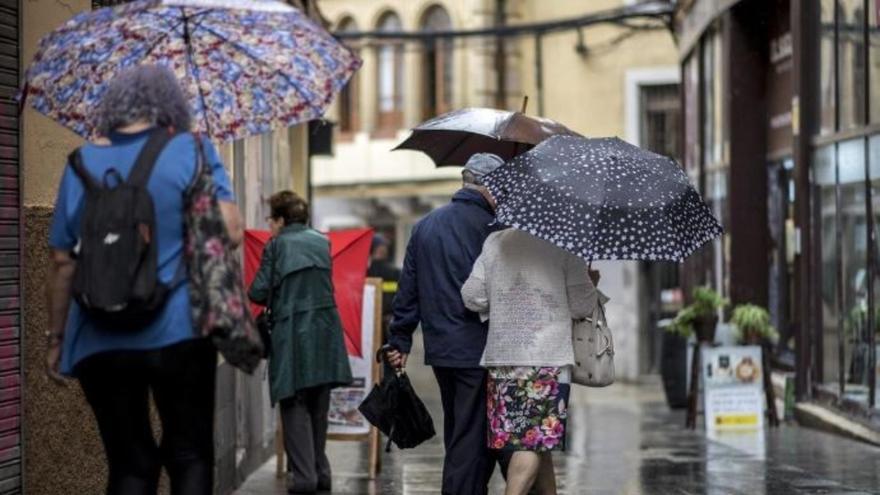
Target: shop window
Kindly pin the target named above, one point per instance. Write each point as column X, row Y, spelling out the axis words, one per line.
column 692, row 119
column 842, row 230
column 827, row 78
column 853, row 229
column 851, row 63
column 390, row 77
column 874, row 248
column 707, row 77
column 874, row 59
column 661, row 113
column 781, row 224
column 348, row 97
column 437, row 82
column 715, row 169
column 825, row 198
column 716, row 194
column 660, row 108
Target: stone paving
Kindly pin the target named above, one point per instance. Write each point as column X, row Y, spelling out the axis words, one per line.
column 624, row 440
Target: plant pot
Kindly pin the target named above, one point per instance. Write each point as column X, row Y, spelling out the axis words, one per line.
column 704, row 329
column 752, row 338
column 673, row 370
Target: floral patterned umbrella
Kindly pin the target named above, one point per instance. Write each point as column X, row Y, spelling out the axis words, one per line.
column 248, row 66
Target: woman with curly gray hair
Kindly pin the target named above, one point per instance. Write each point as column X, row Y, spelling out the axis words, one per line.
column 119, row 368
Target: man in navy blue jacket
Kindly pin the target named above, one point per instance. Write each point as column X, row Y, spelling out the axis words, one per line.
column 439, row 258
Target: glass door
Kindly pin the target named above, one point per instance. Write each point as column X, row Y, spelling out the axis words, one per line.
column 780, row 211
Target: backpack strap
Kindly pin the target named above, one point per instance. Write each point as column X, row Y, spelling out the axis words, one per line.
column 76, row 163
column 146, row 160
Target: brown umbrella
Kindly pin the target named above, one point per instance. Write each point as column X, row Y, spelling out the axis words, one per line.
column 452, row 138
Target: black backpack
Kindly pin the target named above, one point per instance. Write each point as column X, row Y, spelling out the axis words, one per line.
column 117, row 278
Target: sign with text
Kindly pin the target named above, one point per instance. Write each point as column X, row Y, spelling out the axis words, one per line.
column 344, row 417
column 733, row 384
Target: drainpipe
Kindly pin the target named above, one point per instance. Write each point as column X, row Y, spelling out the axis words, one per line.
column 500, row 56
column 539, row 72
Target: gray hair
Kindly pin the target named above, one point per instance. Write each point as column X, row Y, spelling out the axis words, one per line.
column 143, row 93
column 468, row 177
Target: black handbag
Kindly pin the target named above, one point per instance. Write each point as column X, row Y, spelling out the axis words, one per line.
column 266, row 320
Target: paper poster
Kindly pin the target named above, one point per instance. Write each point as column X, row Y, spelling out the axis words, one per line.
column 733, row 384
column 344, row 417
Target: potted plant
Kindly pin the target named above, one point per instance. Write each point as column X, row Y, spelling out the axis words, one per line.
column 700, row 317
column 752, row 324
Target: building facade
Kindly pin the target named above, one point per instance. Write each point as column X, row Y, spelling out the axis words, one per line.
column 782, row 132
column 600, row 80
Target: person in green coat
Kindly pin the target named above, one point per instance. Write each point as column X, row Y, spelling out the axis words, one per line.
column 308, row 356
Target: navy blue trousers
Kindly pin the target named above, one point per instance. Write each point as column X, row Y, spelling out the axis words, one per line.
column 469, row 463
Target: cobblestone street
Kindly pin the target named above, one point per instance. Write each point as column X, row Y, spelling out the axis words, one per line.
column 624, row 440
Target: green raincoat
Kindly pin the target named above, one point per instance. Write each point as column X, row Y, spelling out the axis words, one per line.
column 307, row 340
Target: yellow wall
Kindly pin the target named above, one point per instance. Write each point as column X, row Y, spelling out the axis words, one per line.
column 587, row 93
column 45, row 144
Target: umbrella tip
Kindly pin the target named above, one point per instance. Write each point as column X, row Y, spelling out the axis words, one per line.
column 525, row 104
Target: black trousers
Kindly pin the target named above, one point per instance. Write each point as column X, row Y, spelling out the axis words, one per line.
column 304, row 420
column 117, row 386
column 469, row 463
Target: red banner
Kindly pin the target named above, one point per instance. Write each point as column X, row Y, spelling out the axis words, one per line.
column 350, row 250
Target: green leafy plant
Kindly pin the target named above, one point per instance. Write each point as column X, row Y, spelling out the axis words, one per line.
column 753, row 322
column 857, row 321
column 706, row 303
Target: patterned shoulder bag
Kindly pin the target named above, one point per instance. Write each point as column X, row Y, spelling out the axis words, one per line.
column 216, row 284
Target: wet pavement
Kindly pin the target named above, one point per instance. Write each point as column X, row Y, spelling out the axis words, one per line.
column 624, row 440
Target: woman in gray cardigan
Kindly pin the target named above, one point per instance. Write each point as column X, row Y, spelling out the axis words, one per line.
column 530, row 291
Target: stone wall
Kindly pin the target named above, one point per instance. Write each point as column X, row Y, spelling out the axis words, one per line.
column 62, row 449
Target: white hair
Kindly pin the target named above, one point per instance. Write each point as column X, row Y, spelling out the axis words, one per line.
column 143, row 93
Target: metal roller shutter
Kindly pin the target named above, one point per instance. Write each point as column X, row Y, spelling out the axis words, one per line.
column 10, row 250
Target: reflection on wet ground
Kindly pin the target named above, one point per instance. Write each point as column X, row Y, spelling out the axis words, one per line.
column 624, row 440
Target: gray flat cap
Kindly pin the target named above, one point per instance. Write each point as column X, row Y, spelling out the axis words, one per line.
column 481, row 164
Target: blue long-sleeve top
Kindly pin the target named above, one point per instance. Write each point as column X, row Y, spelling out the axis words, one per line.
column 439, row 258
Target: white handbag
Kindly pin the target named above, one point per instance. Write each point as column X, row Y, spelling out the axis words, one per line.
column 593, row 350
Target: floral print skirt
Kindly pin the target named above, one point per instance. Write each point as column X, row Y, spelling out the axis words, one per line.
column 527, row 409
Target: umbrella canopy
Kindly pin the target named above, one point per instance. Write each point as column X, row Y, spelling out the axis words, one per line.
column 603, row 199
column 452, row 138
column 247, row 66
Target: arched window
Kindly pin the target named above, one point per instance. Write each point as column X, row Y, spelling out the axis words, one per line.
column 390, row 70
column 437, row 68
column 348, row 97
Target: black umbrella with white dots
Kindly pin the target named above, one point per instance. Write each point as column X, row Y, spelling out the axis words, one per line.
column 603, row 199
